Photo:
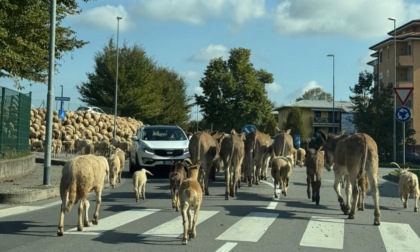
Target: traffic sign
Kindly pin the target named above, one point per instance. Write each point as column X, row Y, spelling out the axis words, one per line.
column 403, row 93
column 60, row 98
column 61, row 114
column 403, row 114
column 248, row 129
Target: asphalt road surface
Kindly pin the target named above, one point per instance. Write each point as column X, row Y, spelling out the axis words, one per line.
column 252, row 221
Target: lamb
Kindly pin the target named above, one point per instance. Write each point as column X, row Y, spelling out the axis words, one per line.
column 114, row 170
column 408, row 185
column 190, row 197
column 300, row 157
column 281, row 170
column 176, row 176
column 69, row 147
column 139, row 181
column 121, row 155
column 80, row 175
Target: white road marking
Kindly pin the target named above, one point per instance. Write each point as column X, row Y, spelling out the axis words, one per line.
column 228, row 246
column 272, row 205
column 53, row 203
column 324, row 232
column 249, row 228
column 114, row 221
column 173, row 228
column 399, row 237
column 18, row 210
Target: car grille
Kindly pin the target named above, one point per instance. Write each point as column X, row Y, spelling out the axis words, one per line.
column 169, row 153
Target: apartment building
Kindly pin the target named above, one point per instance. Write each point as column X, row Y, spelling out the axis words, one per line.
column 318, row 115
column 407, row 69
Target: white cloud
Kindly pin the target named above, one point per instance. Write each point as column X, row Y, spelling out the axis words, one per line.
column 201, row 11
column 211, row 52
column 274, row 88
column 356, row 18
column 310, row 85
column 105, row 17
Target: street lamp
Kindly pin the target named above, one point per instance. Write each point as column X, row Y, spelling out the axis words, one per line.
column 62, row 101
column 394, row 138
column 116, row 81
column 333, row 118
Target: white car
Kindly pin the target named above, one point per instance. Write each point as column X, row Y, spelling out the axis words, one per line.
column 157, row 146
column 91, row 109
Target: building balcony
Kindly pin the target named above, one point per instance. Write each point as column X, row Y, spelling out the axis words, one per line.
column 323, row 122
column 405, row 83
column 405, row 61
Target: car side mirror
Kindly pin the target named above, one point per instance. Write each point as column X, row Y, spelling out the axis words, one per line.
column 134, row 138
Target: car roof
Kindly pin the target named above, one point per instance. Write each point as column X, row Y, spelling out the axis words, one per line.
column 161, row 126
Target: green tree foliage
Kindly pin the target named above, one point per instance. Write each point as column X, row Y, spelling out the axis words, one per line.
column 153, row 94
column 295, row 123
column 25, row 37
column 374, row 110
column 234, row 94
column 316, row 94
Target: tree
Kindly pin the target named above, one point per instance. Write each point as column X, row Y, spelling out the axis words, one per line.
column 316, row 94
column 295, row 123
column 146, row 91
column 25, row 37
column 234, row 94
column 373, row 110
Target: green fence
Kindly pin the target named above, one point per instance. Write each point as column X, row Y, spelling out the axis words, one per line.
column 15, row 115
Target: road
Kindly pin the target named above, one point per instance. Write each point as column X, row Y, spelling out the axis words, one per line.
column 253, row 221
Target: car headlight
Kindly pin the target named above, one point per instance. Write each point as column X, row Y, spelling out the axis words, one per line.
column 147, row 149
column 186, row 151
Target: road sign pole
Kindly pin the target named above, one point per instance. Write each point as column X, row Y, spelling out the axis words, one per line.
column 404, row 143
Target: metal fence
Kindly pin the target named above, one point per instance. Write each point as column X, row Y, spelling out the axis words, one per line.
column 15, row 114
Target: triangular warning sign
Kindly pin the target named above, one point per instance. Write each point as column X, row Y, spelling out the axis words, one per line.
column 403, row 93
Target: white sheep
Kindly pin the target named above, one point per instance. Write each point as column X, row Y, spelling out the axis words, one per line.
column 81, row 175
column 114, row 170
column 190, row 197
column 408, row 185
column 139, row 181
column 121, row 155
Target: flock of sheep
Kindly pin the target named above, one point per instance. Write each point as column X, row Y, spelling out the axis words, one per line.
column 81, row 132
column 243, row 159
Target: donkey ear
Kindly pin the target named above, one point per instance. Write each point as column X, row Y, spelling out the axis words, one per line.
column 324, row 136
column 341, row 133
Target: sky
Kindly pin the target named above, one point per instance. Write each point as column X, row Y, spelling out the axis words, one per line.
column 288, row 38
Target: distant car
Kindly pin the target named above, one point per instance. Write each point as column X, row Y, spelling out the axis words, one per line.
column 410, row 157
column 91, row 109
column 157, row 145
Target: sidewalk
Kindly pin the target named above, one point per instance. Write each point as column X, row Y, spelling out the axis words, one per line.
column 30, row 187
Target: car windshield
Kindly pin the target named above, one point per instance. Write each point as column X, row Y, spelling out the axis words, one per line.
column 82, row 109
column 163, row 134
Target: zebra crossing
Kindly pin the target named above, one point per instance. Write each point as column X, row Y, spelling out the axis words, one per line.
column 320, row 232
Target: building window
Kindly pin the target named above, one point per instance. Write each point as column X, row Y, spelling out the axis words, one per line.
column 380, row 56
column 387, row 49
column 409, row 49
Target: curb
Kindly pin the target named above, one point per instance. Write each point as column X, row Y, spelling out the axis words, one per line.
column 25, row 197
column 41, row 193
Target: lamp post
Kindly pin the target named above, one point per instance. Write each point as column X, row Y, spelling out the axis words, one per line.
column 333, row 111
column 62, row 101
column 394, row 138
column 116, row 81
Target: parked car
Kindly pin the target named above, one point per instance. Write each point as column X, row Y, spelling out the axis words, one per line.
column 410, row 157
column 91, row 109
column 157, row 145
